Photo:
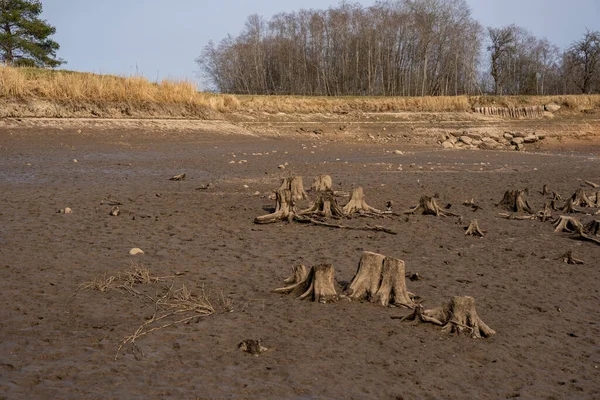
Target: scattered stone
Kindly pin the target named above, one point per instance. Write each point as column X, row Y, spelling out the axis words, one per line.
column 399, row 152
column 508, row 136
column 135, row 251
column 517, row 141
column 447, row 145
column 552, row 107
column 281, row 166
column 466, row 140
column 530, row 139
column 75, row 160
column 65, row 210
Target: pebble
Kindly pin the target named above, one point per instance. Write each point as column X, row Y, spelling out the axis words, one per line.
column 135, row 251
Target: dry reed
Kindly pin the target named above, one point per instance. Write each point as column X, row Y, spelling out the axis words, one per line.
column 51, row 85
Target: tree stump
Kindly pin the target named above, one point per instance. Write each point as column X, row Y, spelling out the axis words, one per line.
column 545, row 190
column 556, row 196
column 569, row 207
column 545, row 213
column 318, row 285
column 296, row 186
column 513, row 201
column 456, row 316
column 567, row 224
column 380, row 279
column 285, row 210
column 584, row 236
column 322, row 183
column 299, row 273
column 325, row 206
column 592, row 228
column 579, row 198
column 568, row 258
column 473, row 229
column 357, row 204
column 428, row 206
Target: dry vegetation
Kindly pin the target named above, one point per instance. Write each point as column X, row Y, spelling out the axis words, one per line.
column 25, row 84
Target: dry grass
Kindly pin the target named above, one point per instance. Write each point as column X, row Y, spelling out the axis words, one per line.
column 61, row 86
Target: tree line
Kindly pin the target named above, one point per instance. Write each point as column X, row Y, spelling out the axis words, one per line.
column 396, row 48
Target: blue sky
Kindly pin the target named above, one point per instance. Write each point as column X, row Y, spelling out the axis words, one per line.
column 160, row 39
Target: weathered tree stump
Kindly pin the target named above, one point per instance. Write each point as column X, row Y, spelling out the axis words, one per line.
column 428, row 206
column 545, row 213
column 545, row 190
column 579, row 198
column 584, row 236
column 357, row 204
column 568, row 258
column 285, row 210
column 556, row 196
column 592, row 228
column 473, row 229
column 296, row 186
column 322, row 183
column 380, row 279
column 299, row 273
column 458, row 315
column 595, row 197
column 567, row 224
column 318, row 285
column 114, row 211
column 325, row 206
column 569, row 207
column 513, row 201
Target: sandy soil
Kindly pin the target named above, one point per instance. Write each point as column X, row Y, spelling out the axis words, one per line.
column 60, row 342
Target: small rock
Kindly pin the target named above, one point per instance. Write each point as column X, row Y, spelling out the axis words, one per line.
column 246, row 186
column 399, row 152
column 530, row 139
column 552, row 107
column 466, row 140
column 508, row 136
column 474, row 136
column 257, row 193
column 447, row 145
column 520, row 146
column 519, row 134
column 135, row 251
column 517, row 141
column 281, row 166
column 476, row 142
column 65, row 210
column 115, row 211
column 541, row 136
column 75, row 160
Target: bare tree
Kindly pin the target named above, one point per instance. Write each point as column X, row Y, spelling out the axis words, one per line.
column 582, row 62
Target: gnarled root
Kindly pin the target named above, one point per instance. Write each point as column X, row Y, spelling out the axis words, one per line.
column 428, row 206
column 567, row 224
column 568, row 258
column 473, row 229
column 592, row 228
column 322, row 183
column 357, row 204
column 380, row 279
column 318, row 285
column 285, row 209
column 545, row 213
column 513, row 201
column 456, row 316
column 583, row 236
column 325, row 206
column 570, row 208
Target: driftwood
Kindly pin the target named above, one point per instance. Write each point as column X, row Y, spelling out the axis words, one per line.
column 473, row 229
column 428, row 206
column 380, row 279
column 357, row 204
column 567, row 224
column 180, row 177
column 322, row 183
column 592, row 184
column 517, row 217
column 458, row 315
column 513, row 201
column 568, row 258
column 318, row 285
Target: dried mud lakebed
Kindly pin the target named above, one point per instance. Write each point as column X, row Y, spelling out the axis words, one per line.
column 63, row 319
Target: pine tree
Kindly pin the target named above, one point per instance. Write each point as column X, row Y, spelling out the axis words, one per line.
column 24, row 37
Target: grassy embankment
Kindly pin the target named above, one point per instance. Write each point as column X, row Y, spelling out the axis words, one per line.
column 40, row 92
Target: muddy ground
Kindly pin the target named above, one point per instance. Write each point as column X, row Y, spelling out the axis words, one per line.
column 60, row 342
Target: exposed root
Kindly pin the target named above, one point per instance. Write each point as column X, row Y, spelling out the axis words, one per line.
column 473, row 229
column 357, row 204
column 428, row 206
column 180, row 177
column 592, row 184
column 318, row 285
column 296, row 186
column 376, row 228
column 545, row 190
column 569, row 207
column 456, row 316
column 592, row 228
column 567, row 224
column 325, row 206
column 556, row 196
column 584, row 236
column 513, row 201
column 299, row 274
column 545, row 213
column 517, row 217
column 568, row 258
column 285, row 210
column 579, row 198
column 471, row 203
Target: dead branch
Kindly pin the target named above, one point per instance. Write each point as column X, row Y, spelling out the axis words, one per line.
column 592, row 184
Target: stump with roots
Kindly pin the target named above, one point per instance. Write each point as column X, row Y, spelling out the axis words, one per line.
column 322, row 183
column 456, row 316
column 595, row 198
column 584, row 236
column 296, row 185
column 299, row 273
column 318, row 285
column 428, row 206
column 545, row 213
column 357, row 204
column 567, row 224
column 579, row 198
column 324, row 206
column 513, row 201
column 473, row 229
column 285, row 210
column 592, row 228
column 380, row 279
column 568, row 258
column 545, row 190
